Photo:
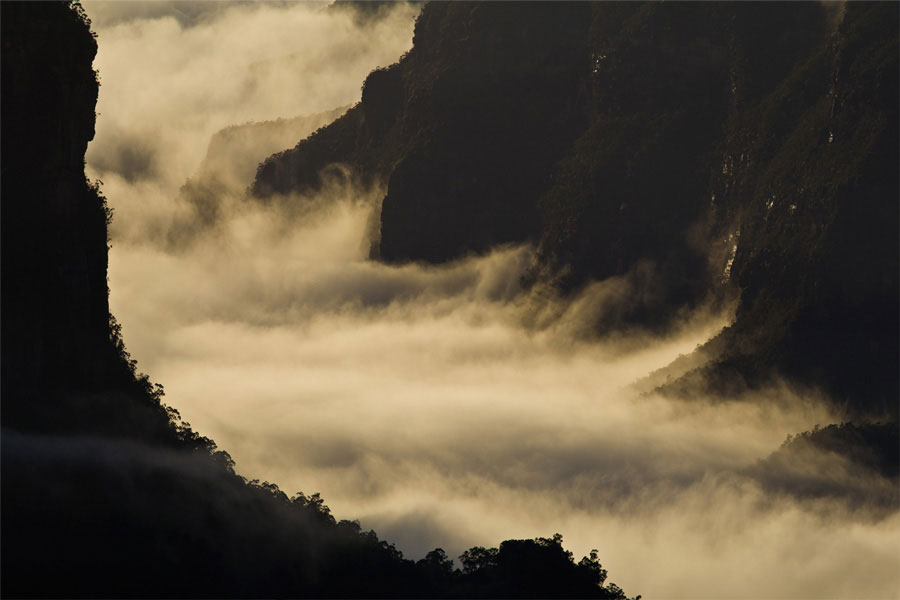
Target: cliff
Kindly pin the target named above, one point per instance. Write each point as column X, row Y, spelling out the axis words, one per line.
column 54, row 224
column 230, row 165
column 817, row 260
column 464, row 130
column 713, row 149
column 59, row 344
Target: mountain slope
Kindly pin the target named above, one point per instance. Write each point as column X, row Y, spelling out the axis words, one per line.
column 463, row 130
column 705, row 149
column 808, row 192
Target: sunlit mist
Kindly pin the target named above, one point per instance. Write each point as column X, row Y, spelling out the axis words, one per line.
column 440, row 405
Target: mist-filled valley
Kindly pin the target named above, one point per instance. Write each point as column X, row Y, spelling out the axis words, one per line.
column 426, row 402
column 458, row 349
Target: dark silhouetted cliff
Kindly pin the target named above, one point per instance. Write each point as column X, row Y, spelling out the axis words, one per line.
column 712, row 148
column 808, row 185
column 60, row 347
column 464, row 130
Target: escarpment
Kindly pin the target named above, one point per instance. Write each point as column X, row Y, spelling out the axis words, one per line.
column 705, row 149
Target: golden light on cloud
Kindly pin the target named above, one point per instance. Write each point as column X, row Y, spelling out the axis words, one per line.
column 442, row 406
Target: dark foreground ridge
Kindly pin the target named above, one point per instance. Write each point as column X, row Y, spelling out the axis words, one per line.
column 105, row 492
column 703, row 149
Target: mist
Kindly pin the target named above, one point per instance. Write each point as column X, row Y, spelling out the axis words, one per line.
column 441, row 406
column 174, row 73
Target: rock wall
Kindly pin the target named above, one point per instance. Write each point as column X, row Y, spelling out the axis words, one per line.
column 712, row 148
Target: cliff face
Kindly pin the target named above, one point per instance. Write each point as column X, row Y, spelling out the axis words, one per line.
column 728, row 146
column 57, row 338
column 809, row 185
column 464, row 130
column 54, row 226
column 230, row 165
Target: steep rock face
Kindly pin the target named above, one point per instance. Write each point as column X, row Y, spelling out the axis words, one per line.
column 464, row 130
column 709, row 147
column 234, row 152
column 634, row 186
column 57, row 337
column 229, row 167
column 807, row 192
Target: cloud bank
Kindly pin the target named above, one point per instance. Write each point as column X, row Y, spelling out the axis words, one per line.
column 172, row 74
column 442, row 406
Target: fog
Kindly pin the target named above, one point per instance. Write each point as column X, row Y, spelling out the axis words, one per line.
column 441, row 406
column 174, row 73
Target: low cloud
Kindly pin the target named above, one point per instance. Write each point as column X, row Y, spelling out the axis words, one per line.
column 441, row 405
column 427, row 402
column 173, row 73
